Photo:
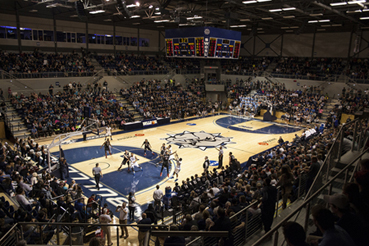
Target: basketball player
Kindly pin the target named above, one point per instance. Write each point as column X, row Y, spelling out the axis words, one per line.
column 170, row 150
column 125, row 160
column 165, row 164
column 178, row 166
column 108, row 133
column 107, row 146
column 162, row 151
column 147, row 147
column 133, row 159
column 220, row 157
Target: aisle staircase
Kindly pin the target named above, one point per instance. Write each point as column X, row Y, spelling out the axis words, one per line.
column 96, row 64
column 15, row 122
column 126, row 104
column 327, row 109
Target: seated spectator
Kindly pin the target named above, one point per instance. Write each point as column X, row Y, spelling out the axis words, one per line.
column 294, row 234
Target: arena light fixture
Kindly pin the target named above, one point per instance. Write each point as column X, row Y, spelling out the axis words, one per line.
column 288, row 16
column 338, row 4
column 356, row 1
column 317, row 14
column 262, row 1
column 249, row 2
column 324, row 20
column 138, row 4
column 158, row 13
column 313, row 21
column 275, row 10
column 160, row 21
column 194, row 18
column 288, row 9
column 364, row 18
column 267, row 18
column 131, row 6
column 97, row 11
column 150, row 7
column 135, row 16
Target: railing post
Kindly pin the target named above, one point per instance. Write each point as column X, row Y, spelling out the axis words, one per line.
column 22, row 234
column 246, row 223
column 277, row 202
column 276, row 236
column 57, row 235
column 354, row 138
column 340, row 145
column 117, row 235
column 299, row 188
column 346, row 173
column 70, row 235
column 306, row 224
column 330, row 189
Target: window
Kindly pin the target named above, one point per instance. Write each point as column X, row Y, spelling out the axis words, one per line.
column 99, row 39
column 109, row 39
column 48, row 35
column 81, row 38
column 125, row 41
column 118, row 40
column 40, row 35
column 60, row 37
column 144, row 42
column 2, row 32
column 26, row 33
column 73, row 37
column 11, row 33
column 91, row 39
column 133, row 41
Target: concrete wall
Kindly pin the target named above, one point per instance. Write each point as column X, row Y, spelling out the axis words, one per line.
column 76, row 27
column 322, row 44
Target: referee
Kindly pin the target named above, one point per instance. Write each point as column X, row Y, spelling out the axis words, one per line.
column 96, row 171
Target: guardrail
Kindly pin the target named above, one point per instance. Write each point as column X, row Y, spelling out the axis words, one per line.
column 324, row 189
column 330, row 78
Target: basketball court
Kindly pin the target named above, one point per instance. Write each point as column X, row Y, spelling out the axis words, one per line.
column 192, row 140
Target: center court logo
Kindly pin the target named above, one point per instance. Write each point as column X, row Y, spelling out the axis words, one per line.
column 201, row 140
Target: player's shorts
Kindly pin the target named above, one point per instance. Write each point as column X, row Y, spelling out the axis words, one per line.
column 177, row 170
column 134, row 164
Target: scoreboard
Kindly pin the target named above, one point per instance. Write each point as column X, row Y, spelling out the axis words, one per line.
column 203, row 42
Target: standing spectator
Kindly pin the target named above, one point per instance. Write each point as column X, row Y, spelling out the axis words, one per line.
column 96, row 171
column 1, row 94
column 105, row 219
column 280, row 140
column 286, row 182
column 9, row 93
column 312, row 172
column 51, row 90
column 143, row 230
column 64, row 170
column 158, row 196
column 123, row 214
column 362, row 179
column 350, row 222
column 332, row 235
column 294, row 234
column 34, row 132
column 131, row 205
column 269, row 199
column 222, row 223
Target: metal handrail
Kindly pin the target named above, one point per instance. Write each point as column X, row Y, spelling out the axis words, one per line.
column 328, row 156
column 8, row 232
column 309, row 199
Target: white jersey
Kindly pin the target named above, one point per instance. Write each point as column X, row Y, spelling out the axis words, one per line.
column 171, row 157
column 108, row 131
column 178, row 167
column 133, row 161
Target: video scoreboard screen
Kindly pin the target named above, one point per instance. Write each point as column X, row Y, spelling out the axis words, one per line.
column 203, row 42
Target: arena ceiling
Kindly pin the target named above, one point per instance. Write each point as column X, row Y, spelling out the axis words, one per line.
column 248, row 16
